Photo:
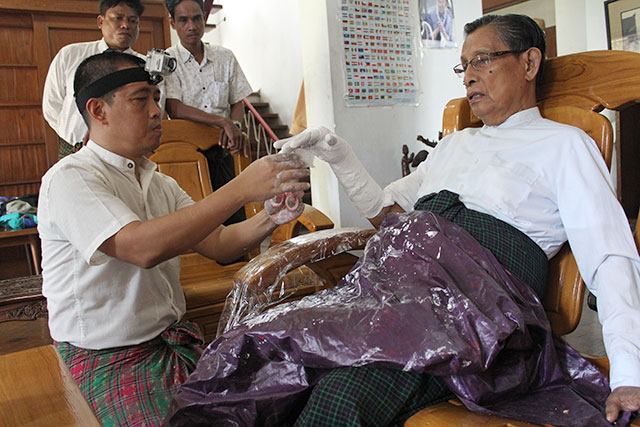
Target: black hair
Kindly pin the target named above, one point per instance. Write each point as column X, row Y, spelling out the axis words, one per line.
column 133, row 4
column 518, row 32
column 97, row 66
column 171, row 5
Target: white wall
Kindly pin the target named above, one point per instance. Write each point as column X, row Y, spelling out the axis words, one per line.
column 376, row 134
column 543, row 9
column 265, row 37
column 580, row 26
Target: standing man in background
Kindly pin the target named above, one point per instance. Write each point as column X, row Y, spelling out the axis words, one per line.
column 207, row 87
column 119, row 21
column 208, row 84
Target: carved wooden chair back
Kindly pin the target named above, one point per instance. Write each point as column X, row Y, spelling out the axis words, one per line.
column 179, row 157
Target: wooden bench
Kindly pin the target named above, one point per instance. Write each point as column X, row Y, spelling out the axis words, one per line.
column 38, row 389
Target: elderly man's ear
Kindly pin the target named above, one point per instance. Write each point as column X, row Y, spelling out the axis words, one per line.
column 95, row 108
column 531, row 59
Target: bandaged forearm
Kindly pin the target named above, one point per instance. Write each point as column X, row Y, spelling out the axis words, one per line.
column 360, row 187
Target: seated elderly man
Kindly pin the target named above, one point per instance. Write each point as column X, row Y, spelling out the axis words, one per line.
column 111, row 279
column 521, row 186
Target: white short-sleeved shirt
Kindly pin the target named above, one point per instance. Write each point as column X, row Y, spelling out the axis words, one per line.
column 58, row 100
column 549, row 181
column 212, row 86
column 96, row 301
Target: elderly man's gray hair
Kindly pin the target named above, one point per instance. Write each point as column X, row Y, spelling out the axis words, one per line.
column 518, row 32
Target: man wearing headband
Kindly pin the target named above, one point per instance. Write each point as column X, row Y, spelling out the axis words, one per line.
column 111, row 278
column 119, row 22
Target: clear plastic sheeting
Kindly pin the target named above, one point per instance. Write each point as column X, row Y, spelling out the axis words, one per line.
column 424, row 297
column 277, row 273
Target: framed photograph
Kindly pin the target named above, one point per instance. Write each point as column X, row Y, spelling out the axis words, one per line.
column 623, row 24
column 436, row 23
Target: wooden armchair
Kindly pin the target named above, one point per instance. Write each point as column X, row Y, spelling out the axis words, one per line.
column 575, row 89
column 205, row 282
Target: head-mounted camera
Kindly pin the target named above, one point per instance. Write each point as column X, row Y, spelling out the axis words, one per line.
column 159, row 63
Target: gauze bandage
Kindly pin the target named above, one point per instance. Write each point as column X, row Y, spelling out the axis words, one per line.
column 361, row 189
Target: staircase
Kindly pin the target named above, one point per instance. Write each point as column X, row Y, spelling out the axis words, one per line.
column 272, row 119
column 261, row 139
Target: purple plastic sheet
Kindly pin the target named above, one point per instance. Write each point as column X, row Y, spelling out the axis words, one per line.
column 424, row 297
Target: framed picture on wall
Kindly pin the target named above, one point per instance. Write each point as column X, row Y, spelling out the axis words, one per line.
column 436, row 23
column 623, row 24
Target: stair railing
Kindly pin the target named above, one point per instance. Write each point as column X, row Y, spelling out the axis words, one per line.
column 261, row 136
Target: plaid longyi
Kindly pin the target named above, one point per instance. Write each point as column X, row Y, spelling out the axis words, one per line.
column 133, row 386
column 372, row 396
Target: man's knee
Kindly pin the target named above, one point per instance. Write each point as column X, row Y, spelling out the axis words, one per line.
column 359, row 396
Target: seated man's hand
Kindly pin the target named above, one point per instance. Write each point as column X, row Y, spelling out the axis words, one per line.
column 231, row 137
column 284, row 208
column 272, row 175
column 319, row 141
column 622, row 399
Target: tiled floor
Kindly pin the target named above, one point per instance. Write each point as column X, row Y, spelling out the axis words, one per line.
column 587, row 338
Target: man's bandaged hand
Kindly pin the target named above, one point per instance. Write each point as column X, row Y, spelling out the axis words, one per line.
column 363, row 191
column 319, row 141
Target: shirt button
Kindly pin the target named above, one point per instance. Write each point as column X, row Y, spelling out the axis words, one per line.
column 130, row 165
column 204, row 88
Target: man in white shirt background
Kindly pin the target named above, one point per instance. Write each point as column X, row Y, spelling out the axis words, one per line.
column 207, row 87
column 208, row 84
column 119, row 22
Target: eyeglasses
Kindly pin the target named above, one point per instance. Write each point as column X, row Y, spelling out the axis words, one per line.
column 481, row 62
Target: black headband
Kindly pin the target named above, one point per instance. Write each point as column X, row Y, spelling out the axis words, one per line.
column 113, row 81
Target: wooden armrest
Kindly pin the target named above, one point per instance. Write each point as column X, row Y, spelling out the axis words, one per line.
column 38, row 389
column 312, row 219
column 273, row 264
column 600, row 362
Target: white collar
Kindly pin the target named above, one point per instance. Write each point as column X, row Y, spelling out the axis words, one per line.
column 519, row 118
column 117, row 160
column 102, row 46
column 185, row 55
